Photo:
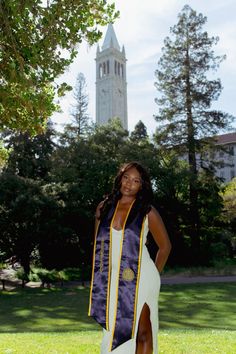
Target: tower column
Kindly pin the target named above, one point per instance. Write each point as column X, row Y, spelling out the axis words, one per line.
column 111, row 86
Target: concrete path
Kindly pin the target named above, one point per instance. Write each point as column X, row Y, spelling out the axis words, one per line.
column 11, row 283
column 177, row 279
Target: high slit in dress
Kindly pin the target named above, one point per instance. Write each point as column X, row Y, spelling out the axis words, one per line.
column 148, row 292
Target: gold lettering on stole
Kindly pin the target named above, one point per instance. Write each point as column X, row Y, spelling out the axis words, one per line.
column 101, row 255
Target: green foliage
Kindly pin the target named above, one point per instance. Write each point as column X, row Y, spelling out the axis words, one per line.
column 87, row 167
column 2, row 265
column 4, row 153
column 210, row 202
column 29, row 157
column 139, row 134
column 229, row 212
column 185, row 115
column 186, row 93
column 52, row 276
column 38, row 42
column 71, row 274
column 170, row 181
column 229, row 197
column 21, row 203
column 49, row 193
column 48, row 276
column 23, row 276
column 219, row 251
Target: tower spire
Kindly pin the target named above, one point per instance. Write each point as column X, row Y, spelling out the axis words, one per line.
column 110, row 39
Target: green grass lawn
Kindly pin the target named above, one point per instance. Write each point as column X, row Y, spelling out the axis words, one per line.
column 170, row 342
column 194, row 318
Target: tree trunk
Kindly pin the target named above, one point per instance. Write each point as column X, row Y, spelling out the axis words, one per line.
column 25, row 262
column 193, row 192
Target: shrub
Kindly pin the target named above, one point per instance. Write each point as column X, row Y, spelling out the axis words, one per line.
column 47, row 277
column 218, row 251
column 71, row 274
column 23, row 276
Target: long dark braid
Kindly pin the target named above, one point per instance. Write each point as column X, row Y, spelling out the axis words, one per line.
column 144, row 196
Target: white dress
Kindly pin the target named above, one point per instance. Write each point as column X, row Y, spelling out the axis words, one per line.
column 149, row 287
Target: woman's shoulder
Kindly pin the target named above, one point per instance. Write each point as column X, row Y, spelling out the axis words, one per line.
column 153, row 213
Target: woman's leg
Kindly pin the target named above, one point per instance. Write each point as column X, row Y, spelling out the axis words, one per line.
column 144, row 343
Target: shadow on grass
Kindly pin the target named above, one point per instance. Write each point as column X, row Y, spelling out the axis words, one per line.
column 45, row 310
column 192, row 306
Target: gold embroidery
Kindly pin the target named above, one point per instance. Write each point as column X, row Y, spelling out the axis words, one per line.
column 101, row 255
column 138, row 276
column 91, row 288
column 117, row 288
column 128, row 274
column 109, row 271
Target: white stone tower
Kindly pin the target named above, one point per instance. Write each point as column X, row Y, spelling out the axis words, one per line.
column 111, row 86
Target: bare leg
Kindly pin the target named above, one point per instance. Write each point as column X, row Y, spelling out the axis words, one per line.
column 144, row 336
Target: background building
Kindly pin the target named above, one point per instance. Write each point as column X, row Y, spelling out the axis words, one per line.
column 222, row 155
column 111, row 86
column 226, row 157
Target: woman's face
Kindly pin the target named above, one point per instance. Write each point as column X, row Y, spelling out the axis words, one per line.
column 131, row 182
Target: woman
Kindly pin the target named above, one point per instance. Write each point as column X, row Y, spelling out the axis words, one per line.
column 125, row 281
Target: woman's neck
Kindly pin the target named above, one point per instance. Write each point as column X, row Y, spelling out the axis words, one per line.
column 126, row 200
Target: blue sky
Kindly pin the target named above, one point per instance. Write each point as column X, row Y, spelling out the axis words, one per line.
column 142, row 28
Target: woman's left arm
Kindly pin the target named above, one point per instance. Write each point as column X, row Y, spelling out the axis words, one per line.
column 159, row 233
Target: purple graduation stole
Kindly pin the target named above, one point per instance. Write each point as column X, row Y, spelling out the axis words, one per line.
column 129, row 272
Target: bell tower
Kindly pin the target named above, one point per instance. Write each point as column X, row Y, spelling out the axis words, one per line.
column 111, row 86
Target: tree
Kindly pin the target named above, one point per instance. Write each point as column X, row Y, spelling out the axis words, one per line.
column 229, row 197
column 21, row 198
column 186, row 94
column 82, row 173
column 88, row 165
column 4, row 153
column 20, row 208
column 139, row 134
column 80, row 115
column 30, row 156
column 38, row 42
column 229, row 214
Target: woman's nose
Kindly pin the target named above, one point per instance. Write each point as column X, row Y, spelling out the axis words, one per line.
column 128, row 182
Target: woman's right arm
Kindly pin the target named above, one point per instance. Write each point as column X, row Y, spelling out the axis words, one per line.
column 97, row 214
column 159, row 233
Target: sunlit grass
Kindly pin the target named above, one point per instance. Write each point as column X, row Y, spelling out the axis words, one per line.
column 170, row 342
column 194, row 318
